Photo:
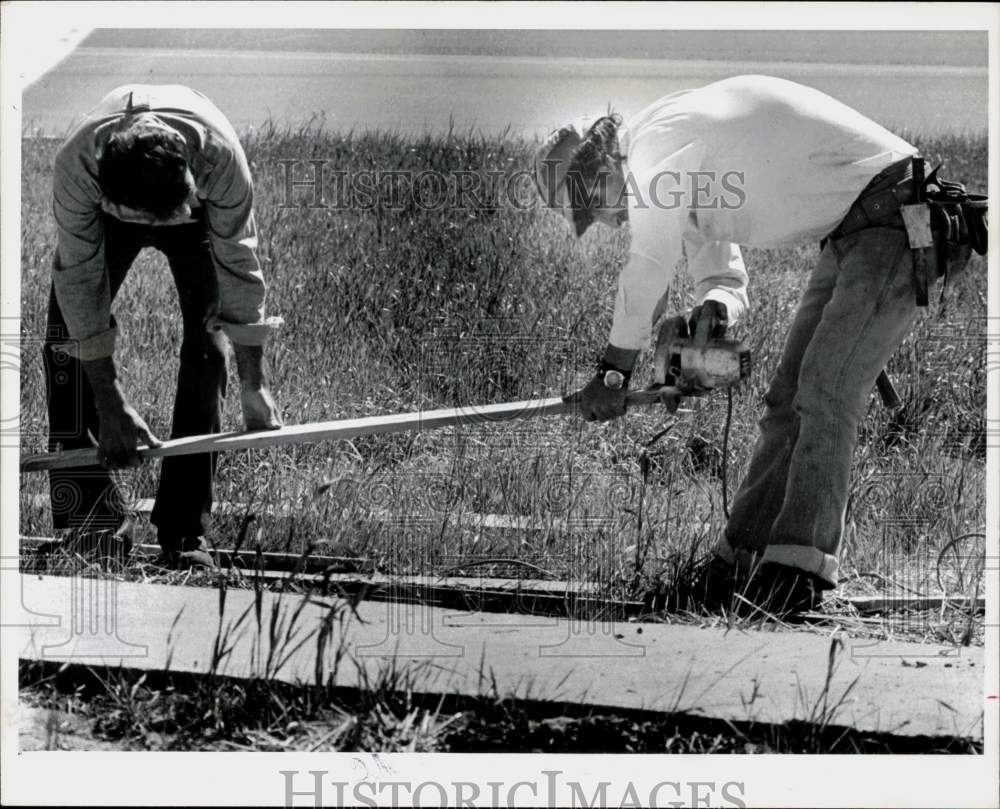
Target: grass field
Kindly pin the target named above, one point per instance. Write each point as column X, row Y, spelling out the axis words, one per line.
column 393, row 308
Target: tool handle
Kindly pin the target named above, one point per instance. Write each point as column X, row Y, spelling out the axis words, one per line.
column 336, row 430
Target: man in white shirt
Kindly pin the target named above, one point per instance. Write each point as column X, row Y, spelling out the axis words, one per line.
column 759, row 161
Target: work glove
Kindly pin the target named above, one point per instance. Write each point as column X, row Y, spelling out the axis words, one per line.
column 597, row 402
column 708, row 321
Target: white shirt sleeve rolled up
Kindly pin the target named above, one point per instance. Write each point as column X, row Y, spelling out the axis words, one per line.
column 718, row 272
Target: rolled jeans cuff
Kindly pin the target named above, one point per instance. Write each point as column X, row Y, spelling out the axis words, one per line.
column 246, row 334
column 94, row 347
column 812, row 560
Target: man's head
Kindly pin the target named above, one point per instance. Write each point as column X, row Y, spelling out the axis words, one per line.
column 581, row 174
column 144, row 175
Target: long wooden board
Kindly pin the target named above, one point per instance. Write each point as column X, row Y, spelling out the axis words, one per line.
column 336, row 430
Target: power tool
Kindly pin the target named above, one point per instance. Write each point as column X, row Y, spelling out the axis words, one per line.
column 682, row 367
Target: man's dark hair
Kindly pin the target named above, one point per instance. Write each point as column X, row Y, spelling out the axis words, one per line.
column 144, row 169
column 590, row 168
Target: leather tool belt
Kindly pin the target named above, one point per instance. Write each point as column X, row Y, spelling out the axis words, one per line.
column 933, row 212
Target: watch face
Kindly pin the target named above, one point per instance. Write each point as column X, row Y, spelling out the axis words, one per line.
column 613, row 380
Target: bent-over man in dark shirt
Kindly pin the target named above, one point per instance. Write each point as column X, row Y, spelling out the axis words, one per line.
column 161, row 167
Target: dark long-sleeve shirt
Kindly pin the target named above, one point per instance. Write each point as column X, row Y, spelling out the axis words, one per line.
column 223, row 186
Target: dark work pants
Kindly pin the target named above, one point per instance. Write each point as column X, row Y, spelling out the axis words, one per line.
column 89, row 498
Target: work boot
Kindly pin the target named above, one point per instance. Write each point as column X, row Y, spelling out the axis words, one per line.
column 186, row 553
column 706, row 586
column 783, row 591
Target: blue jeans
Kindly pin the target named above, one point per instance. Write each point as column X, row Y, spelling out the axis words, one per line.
column 90, row 498
column 858, row 307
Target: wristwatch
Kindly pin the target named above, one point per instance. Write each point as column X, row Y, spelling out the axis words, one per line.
column 613, row 379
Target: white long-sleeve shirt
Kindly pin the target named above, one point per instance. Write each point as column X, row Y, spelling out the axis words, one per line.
column 750, row 160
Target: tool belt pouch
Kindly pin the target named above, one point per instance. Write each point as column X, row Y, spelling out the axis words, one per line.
column 948, row 221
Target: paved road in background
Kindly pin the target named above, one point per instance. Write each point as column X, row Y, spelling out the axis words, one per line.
column 530, row 95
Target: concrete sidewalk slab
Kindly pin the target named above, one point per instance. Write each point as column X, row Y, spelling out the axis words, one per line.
column 767, row 676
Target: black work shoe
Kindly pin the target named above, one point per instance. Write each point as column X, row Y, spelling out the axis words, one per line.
column 783, row 591
column 706, row 586
column 189, row 552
